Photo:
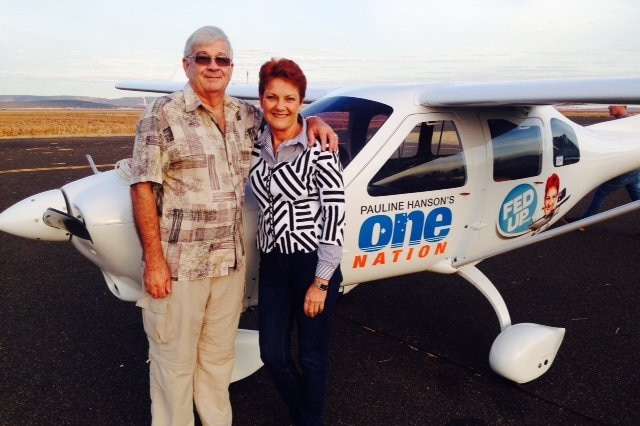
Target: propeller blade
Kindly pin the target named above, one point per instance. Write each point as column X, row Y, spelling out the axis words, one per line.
column 57, row 219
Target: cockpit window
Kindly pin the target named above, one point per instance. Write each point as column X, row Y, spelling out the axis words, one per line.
column 517, row 150
column 430, row 158
column 565, row 144
column 355, row 121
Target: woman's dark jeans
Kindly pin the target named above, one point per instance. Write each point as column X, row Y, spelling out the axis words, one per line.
column 284, row 280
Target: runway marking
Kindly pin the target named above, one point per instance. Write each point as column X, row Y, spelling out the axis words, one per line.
column 48, row 169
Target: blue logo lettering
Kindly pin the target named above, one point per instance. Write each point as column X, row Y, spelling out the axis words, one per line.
column 518, row 209
column 380, row 231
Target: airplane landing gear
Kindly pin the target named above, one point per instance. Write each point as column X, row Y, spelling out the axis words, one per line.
column 521, row 352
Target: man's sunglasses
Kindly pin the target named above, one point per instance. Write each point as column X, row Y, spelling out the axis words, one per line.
column 205, row 60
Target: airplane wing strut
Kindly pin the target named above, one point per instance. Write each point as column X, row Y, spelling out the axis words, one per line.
column 522, row 242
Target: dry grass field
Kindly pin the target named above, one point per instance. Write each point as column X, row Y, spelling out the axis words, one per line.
column 29, row 123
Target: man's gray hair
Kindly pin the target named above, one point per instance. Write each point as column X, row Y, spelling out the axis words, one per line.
column 206, row 35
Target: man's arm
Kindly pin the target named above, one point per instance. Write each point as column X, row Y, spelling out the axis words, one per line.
column 318, row 129
column 157, row 276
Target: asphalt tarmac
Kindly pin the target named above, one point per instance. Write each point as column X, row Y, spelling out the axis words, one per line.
column 412, row 350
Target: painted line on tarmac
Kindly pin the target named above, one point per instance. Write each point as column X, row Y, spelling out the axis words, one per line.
column 48, row 169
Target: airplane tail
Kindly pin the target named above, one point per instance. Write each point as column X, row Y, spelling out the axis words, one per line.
column 627, row 124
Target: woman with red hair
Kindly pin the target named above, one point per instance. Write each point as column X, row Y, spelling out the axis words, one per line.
column 551, row 195
column 300, row 192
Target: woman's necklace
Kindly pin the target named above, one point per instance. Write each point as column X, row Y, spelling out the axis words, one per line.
column 291, row 133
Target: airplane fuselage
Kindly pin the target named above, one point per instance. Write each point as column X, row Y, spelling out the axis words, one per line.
column 427, row 188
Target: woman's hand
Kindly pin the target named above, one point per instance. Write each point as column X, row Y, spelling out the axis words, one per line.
column 314, row 299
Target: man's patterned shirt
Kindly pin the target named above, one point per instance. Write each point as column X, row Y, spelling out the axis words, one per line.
column 201, row 176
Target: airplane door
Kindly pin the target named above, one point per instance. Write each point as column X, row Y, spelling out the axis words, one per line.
column 518, row 179
column 403, row 205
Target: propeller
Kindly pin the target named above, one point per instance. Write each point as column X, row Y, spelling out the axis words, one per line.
column 60, row 220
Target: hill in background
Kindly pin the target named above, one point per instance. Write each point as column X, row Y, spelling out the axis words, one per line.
column 27, row 101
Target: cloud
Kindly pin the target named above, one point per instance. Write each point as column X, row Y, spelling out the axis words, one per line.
column 69, row 44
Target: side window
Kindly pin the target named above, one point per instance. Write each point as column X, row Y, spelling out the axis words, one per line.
column 355, row 121
column 565, row 144
column 517, row 150
column 429, row 158
column 339, row 122
column 374, row 125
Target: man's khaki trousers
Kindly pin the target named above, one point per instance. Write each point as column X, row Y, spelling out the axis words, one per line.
column 191, row 337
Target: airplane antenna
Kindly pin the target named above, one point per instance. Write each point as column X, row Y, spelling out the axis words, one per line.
column 92, row 164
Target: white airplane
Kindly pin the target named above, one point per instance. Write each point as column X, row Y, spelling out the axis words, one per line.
column 438, row 177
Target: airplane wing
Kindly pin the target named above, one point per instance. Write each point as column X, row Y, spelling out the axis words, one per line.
column 152, row 86
column 599, row 90
column 241, row 91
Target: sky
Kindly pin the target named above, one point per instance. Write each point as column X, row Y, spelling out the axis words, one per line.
column 84, row 47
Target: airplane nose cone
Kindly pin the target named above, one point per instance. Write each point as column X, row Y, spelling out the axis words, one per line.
column 24, row 219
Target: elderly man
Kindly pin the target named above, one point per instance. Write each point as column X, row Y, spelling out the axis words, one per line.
column 191, row 160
